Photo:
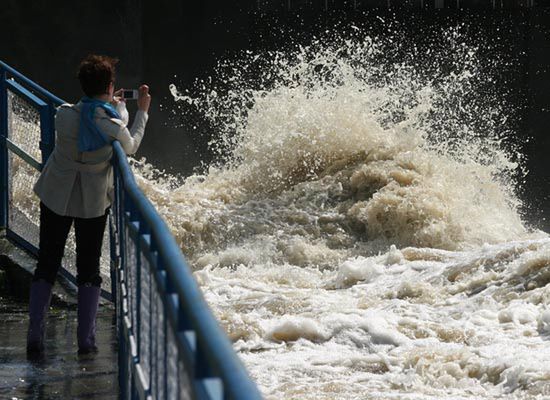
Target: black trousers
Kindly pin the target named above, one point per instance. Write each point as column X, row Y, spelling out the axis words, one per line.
column 54, row 229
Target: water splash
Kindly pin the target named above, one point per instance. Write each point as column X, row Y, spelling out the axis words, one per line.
column 400, row 153
column 360, row 232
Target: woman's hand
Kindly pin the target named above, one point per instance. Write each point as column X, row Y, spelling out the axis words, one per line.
column 144, row 98
column 117, row 97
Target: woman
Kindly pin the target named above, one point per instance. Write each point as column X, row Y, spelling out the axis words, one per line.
column 76, row 185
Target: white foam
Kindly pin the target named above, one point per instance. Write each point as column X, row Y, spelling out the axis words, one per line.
column 360, row 237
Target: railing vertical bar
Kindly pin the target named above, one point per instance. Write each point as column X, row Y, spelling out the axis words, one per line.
column 122, row 355
column 118, row 216
column 151, row 280
column 122, row 364
column 4, row 181
column 114, row 260
column 165, row 328
column 121, row 205
column 137, row 331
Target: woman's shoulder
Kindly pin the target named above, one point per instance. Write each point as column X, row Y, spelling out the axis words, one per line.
column 67, row 107
column 66, row 112
column 107, row 124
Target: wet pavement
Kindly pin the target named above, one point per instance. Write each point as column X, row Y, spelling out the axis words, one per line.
column 62, row 373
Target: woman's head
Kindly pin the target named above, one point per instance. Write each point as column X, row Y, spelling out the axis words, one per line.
column 97, row 75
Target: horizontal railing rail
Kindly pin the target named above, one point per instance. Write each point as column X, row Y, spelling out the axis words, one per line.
column 32, row 86
column 170, row 344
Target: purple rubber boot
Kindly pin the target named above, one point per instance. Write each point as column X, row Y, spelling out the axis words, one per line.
column 39, row 302
column 88, row 303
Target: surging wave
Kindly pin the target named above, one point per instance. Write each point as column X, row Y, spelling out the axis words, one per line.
column 357, row 138
column 360, row 236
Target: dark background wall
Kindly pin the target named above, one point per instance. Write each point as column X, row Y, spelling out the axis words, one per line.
column 174, row 41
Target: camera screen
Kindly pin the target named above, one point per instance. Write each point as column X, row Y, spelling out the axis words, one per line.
column 128, row 94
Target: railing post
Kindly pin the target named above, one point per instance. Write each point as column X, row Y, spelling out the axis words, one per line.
column 166, row 326
column 120, row 279
column 137, row 249
column 4, row 181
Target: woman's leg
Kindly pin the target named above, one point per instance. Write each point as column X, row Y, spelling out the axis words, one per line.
column 89, row 239
column 54, row 229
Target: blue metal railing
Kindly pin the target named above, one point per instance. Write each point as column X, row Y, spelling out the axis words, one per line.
column 170, row 344
column 44, row 103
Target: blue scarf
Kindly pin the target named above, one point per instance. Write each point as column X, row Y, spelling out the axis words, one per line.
column 90, row 137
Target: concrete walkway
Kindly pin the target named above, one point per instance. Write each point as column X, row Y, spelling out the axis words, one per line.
column 61, row 374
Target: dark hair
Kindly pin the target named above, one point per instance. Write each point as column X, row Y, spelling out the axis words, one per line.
column 95, row 73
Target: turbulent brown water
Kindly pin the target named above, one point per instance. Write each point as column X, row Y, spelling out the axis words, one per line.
column 360, row 236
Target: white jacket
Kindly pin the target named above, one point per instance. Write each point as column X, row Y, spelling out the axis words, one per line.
column 80, row 184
